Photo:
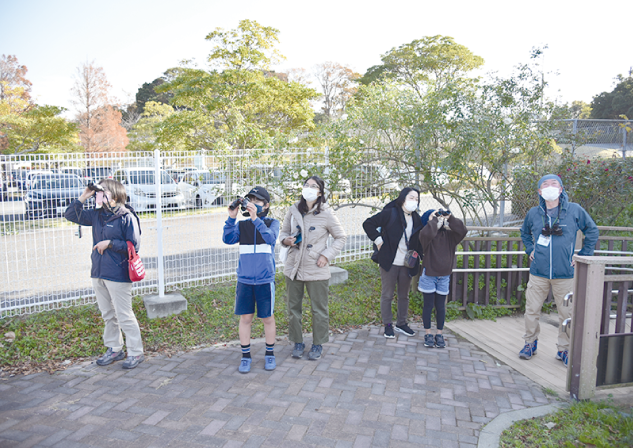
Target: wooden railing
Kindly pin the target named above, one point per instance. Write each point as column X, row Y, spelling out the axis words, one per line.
column 493, row 269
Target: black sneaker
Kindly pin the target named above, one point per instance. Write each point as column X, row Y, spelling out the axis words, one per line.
column 429, row 340
column 389, row 331
column 405, row 330
column 439, row 341
column 110, row 356
column 133, row 361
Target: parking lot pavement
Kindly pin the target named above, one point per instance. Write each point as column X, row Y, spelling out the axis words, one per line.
column 365, row 391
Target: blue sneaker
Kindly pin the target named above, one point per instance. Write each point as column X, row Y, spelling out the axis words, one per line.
column 528, row 350
column 563, row 356
column 297, row 352
column 245, row 365
column 270, row 363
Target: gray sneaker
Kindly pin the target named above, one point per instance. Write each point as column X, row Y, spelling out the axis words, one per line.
column 133, row 361
column 315, row 352
column 297, row 352
column 110, row 356
column 439, row 341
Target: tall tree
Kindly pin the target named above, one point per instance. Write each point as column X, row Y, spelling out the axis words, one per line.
column 338, row 84
column 239, row 102
column 430, row 62
column 99, row 121
column 15, row 89
column 611, row 105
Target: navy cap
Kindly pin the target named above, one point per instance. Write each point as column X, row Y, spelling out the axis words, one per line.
column 259, row 193
column 548, row 177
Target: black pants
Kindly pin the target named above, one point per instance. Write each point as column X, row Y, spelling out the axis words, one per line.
column 439, row 301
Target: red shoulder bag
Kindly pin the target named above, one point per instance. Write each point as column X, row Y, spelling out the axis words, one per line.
column 135, row 265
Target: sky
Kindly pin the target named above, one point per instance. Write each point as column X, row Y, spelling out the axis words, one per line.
column 135, row 41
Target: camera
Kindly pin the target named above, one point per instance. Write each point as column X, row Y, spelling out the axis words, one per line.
column 95, row 187
column 442, row 212
column 239, row 201
column 554, row 230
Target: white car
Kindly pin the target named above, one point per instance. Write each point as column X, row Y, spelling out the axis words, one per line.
column 141, row 189
column 204, row 188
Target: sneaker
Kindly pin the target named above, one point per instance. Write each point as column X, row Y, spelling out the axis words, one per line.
column 528, row 350
column 439, row 341
column 133, row 361
column 563, row 356
column 245, row 365
column 405, row 330
column 389, row 331
column 298, row 350
column 315, row 352
column 110, row 356
column 269, row 363
column 429, row 340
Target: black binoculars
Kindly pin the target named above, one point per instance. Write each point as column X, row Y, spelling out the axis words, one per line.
column 95, row 187
column 554, row 230
column 442, row 212
column 239, row 201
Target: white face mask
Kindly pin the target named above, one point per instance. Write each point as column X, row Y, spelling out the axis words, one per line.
column 410, row 206
column 310, row 194
column 550, row 193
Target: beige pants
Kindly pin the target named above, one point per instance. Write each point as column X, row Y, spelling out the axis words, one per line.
column 535, row 295
column 115, row 303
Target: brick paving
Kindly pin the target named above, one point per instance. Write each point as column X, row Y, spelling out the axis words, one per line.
column 365, row 391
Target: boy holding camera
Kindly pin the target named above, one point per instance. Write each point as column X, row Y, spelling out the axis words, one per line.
column 255, row 271
column 441, row 234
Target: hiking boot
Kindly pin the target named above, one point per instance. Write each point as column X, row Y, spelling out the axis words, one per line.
column 405, row 330
column 133, row 361
column 297, row 352
column 389, row 331
column 528, row 350
column 315, row 352
column 110, row 356
column 429, row 340
column 439, row 341
column 245, row 365
column 269, row 362
column 563, row 356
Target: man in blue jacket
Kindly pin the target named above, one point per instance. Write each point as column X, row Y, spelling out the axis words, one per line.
column 255, row 272
column 549, row 235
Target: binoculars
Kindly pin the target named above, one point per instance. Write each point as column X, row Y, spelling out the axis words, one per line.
column 95, row 187
column 239, row 201
column 442, row 212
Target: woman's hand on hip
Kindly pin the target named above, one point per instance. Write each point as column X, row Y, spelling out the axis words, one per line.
column 379, row 246
column 102, row 246
column 322, row 261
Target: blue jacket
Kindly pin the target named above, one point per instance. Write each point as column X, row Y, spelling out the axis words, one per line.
column 257, row 248
column 554, row 260
column 119, row 228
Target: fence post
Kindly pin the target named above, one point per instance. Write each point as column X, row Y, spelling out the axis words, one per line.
column 159, row 225
column 624, row 142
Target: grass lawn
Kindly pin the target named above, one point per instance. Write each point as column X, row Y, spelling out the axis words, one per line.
column 583, row 424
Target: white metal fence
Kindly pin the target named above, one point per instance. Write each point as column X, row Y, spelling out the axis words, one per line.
column 45, row 262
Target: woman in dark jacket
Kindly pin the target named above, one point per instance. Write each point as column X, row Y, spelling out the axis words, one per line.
column 394, row 231
column 113, row 225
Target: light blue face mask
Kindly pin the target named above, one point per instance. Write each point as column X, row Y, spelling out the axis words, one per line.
column 260, row 210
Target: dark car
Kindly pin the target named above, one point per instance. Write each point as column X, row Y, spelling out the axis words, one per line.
column 49, row 194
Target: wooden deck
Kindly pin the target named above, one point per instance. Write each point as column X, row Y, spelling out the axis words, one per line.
column 503, row 340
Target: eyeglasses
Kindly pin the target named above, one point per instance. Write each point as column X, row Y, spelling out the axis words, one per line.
column 554, row 230
column 313, row 186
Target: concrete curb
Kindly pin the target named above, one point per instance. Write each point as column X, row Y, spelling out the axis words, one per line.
column 491, row 433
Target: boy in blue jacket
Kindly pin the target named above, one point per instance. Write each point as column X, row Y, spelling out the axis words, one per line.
column 549, row 235
column 255, row 272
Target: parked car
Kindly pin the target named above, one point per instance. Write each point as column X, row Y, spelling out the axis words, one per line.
column 178, row 173
column 72, row 170
column 48, row 195
column 23, row 177
column 205, row 188
column 140, row 186
column 97, row 173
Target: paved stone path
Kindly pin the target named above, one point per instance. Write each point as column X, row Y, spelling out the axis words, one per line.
column 365, row 391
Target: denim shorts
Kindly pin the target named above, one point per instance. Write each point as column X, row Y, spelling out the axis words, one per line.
column 246, row 296
column 434, row 284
